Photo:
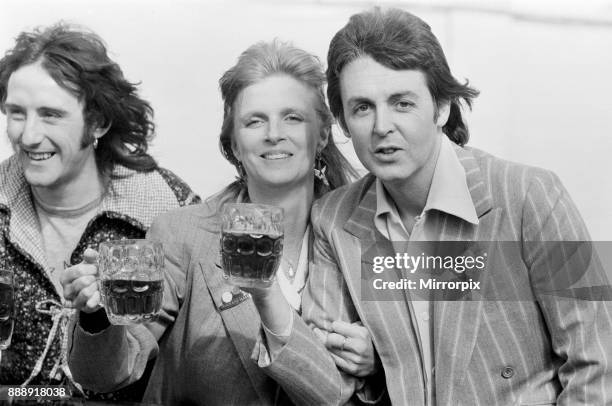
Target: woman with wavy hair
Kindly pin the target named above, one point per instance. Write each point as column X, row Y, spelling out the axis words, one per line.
column 213, row 341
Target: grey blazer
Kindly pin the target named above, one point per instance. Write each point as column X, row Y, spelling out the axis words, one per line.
column 547, row 350
column 206, row 348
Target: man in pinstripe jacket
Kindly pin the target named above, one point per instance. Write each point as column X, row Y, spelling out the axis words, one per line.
column 392, row 91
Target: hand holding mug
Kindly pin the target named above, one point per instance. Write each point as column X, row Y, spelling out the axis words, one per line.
column 79, row 283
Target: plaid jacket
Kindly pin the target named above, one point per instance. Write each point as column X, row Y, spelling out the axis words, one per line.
column 127, row 210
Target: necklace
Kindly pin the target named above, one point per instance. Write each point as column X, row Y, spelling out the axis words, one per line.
column 290, row 268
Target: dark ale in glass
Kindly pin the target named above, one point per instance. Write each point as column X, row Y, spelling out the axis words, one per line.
column 251, row 259
column 129, row 301
column 7, row 311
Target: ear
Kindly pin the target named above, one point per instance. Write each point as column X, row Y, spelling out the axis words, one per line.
column 443, row 113
column 324, row 139
column 99, row 132
column 342, row 124
column 235, row 149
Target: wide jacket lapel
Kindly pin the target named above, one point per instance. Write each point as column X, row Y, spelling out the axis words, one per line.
column 456, row 323
column 383, row 312
column 241, row 320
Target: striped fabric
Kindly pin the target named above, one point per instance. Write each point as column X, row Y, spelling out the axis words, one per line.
column 533, row 352
column 207, row 351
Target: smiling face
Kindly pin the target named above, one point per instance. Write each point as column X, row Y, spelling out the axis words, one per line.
column 45, row 125
column 277, row 132
column 392, row 119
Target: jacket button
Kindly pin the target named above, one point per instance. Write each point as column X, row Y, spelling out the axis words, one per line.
column 227, row 297
column 507, row 372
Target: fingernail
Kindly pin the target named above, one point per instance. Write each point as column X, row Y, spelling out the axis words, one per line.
column 90, row 256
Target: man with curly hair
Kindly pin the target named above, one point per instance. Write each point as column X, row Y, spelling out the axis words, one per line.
column 80, row 174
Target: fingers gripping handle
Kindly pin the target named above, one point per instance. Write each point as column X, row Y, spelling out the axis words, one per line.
column 90, row 256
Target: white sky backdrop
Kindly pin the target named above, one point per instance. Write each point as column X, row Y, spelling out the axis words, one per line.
column 543, row 68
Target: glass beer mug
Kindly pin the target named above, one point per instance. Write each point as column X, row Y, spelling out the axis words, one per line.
column 7, row 308
column 131, row 280
column 251, row 243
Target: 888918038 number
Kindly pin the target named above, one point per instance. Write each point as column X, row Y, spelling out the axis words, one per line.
column 33, row 392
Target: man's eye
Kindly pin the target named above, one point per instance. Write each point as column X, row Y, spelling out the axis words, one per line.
column 16, row 115
column 361, row 109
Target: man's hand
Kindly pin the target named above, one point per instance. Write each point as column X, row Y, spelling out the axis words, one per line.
column 80, row 284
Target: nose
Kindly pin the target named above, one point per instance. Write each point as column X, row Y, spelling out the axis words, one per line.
column 383, row 124
column 32, row 133
column 275, row 132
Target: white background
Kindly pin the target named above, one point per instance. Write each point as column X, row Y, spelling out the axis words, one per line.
column 544, row 70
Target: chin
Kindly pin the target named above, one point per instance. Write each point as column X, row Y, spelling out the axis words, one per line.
column 37, row 179
column 393, row 174
column 284, row 181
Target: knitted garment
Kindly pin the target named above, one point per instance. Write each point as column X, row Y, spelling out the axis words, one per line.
column 132, row 201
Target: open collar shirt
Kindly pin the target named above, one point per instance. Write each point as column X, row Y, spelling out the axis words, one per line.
column 448, row 193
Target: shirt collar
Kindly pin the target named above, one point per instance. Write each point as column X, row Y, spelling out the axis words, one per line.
column 449, row 192
column 134, row 197
column 139, row 196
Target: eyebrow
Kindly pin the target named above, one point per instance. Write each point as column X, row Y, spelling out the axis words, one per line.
column 357, row 100
column 59, row 112
column 284, row 111
column 400, row 95
column 393, row 97
column 11, row 106
column 53, row 110
column 248, row 114
column 294, row 110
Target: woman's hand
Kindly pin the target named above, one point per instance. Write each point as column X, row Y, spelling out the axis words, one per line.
column 274, row 311
column 79, row 283
column 351, row 348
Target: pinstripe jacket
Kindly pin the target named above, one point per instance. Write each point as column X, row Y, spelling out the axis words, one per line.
column 530, row 352
column 207, row 340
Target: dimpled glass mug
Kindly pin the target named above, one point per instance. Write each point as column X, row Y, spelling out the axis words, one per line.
column 251, row 243
column 7, row 308
column 131, row 280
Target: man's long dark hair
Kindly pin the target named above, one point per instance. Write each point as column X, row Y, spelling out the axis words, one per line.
column 77, row 60
column 398, row 40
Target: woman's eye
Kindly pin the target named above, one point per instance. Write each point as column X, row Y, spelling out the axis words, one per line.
column 404, row 105
column 51, row 115
column 294, row 118
column 254, row 123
